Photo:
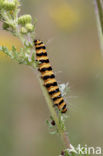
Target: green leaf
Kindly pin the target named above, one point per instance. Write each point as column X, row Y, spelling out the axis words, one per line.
column 53, row 132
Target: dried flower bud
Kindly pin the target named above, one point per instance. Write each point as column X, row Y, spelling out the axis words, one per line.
column 29, row 27
column 53, row 122
column 24, row 19
column 62, row 153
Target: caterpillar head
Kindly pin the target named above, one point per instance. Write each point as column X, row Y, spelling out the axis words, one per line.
column 38, row 42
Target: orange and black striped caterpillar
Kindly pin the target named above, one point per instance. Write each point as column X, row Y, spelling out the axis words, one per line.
column 48, row 76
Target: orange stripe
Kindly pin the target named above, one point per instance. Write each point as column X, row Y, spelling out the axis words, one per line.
column 42, row 58
column 58, row 100
column 41, row 45
column 47, row 73
column 53, row 88
column 55, row 95
column 44, row 65
column 49, row 81
column 64, row 110
column 61, row 105
column 41, row 50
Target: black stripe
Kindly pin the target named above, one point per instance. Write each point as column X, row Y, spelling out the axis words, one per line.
column 51, row 84
column 41, row 47
column 36, row 44
column 44, row 61
column 41, row 54
column 61, row 102
column 64, row 107
column 45, row 69
column 55, row 105
column 54, row 91
column 49, row 77
column 54, row 99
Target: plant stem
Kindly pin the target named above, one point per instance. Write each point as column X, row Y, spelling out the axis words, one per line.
column 62, row 133
column 66, row 140
column 99, row 16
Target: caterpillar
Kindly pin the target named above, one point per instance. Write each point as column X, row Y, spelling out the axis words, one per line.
column 48, row 76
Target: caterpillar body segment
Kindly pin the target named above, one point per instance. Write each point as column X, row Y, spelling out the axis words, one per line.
column 48, row 76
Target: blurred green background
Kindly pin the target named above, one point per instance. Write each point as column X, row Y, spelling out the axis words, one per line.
column 69, row 30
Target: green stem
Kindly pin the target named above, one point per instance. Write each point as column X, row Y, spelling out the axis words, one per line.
column 99, row 16
column 55, row 116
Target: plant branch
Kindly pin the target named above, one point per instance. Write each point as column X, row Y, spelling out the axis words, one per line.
column 99, row 17
column 55, row 116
